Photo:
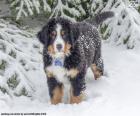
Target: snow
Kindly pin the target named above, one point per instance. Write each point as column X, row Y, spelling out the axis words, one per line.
column 59, row 9
column 18, row 52
column 27, row 7
column 114, row 94
column 126, row 23
column 46, row 6
column 4, row 9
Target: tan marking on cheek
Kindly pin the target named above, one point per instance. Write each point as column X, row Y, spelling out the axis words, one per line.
column 51, row 49
column 76, row 99
column 72, row 72
column 57, row 95
column 97, row 72
column 67, row 48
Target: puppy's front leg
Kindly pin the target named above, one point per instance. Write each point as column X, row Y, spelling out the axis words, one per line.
column 77, row 80
column 55, row 89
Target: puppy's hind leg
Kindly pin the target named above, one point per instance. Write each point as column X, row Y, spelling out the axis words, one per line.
column 96, row 71
column 97, row 65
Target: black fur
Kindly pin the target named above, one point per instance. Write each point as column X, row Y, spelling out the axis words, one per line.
column 73, row 60
column 52, row 84
column 78, row 83
column 99, row 18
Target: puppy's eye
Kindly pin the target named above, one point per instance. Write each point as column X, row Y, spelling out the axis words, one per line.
column 53, row 33
column 62, row 33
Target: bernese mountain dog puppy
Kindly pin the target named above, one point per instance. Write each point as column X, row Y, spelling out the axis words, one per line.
column 69, row 49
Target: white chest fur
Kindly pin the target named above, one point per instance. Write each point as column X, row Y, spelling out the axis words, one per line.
column 59, row 72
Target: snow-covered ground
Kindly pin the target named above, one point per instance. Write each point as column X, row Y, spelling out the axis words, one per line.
column 116, row 94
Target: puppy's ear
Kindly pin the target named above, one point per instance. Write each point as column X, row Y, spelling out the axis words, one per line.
column 41, row 37
column 43, row 34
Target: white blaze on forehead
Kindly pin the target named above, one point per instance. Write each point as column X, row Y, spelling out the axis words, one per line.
column 59, row 39
column 58, row 29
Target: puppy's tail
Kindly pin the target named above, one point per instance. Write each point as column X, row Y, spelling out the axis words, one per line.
column 99, row 18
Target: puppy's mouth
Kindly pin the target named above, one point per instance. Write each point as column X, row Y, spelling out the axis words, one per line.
column 59, row 53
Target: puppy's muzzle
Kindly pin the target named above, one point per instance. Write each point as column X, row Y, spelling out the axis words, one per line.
column 59, row 47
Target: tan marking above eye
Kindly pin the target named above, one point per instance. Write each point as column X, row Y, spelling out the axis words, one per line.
column 53, row 33
column 62, row 32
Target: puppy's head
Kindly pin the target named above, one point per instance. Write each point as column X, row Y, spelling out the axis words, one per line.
column 56, row 37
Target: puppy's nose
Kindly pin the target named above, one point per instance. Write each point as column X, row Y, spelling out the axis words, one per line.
column 59, row 46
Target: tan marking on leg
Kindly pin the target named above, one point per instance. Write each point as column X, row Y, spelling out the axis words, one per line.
column 97, row 73
column 75, row 99
column 51, row 49
column 73, row 72
column 67, row 48
column 57, row 95
column 49, row 73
